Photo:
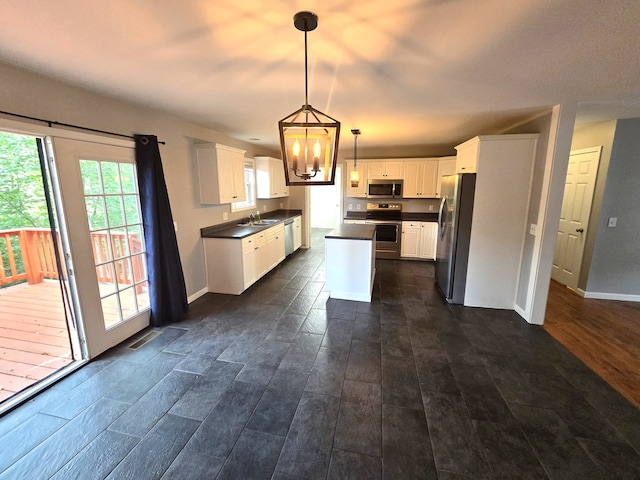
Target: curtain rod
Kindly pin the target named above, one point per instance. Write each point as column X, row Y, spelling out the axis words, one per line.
column 52, row 122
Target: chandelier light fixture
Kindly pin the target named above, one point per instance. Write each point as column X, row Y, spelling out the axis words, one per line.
column 355, row 176
column 308, row 137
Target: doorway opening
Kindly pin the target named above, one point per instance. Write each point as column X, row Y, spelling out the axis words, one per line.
column 38, row 332
column 326, row 203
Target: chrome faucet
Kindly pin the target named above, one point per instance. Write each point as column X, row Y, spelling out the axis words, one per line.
column 251, row 218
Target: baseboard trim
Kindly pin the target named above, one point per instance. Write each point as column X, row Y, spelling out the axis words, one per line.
column 522, row 313
column 197, row 295
column 623, row 297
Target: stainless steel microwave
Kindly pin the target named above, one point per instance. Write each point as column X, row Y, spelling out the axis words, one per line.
column 380, row 188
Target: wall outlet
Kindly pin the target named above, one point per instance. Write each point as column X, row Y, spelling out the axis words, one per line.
column 613, row 221
column 350, row 206
column 532, row 229
column 359, row 207
column 225, row 216
column 431, row 208
column 264, row 207
column 281, row 204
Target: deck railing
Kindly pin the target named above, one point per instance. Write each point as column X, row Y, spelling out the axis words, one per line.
column 28, row 254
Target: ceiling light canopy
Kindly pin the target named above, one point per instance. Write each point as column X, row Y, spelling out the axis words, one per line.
column 308, row 137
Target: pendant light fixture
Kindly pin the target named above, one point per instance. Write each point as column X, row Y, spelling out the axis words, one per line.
column 355, row 176
column 308, row 137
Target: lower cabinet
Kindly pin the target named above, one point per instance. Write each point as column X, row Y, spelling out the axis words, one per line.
column 428, row 240
column 419, row 240
column 410, row 243
column 233, row 265
column 297, row 233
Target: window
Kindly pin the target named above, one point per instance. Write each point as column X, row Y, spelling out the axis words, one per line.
column 249, row 187
column 115, row 224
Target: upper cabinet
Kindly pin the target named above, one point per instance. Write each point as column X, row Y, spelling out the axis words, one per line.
column 446, row 166
column 357, row 189
column 420, row 177
column 467, row 157
column 220, row 173
column 385, row 169
column 270, row 179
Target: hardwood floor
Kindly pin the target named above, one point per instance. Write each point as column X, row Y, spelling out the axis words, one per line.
column 604, row 334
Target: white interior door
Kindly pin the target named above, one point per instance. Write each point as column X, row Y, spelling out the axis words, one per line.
column 99, row 195
column 326, row 204
column 574, row 217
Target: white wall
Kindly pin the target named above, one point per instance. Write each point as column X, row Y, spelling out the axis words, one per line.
column 27, row 93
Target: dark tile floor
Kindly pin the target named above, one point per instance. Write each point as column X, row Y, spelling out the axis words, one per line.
column 285, row 383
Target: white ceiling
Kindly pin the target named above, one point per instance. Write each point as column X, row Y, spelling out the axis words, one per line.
column 405, row 72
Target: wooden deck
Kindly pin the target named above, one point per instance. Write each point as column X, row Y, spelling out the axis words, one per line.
column 34, row 341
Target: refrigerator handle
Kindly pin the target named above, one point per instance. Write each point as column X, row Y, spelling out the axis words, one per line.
column 441, row 215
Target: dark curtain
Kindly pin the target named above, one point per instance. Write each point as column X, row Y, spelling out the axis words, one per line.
column 167, row 292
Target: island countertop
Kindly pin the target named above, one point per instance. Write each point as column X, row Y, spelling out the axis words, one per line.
column 353, row 232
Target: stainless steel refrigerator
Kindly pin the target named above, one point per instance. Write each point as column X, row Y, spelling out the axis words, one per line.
column 454, row 233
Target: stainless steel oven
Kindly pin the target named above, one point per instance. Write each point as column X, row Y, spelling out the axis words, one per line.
column 387, row 219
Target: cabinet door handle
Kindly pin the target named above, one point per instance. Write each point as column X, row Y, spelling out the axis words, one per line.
column 579, row 230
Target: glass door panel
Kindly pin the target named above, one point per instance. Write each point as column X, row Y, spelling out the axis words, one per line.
column 111, row 187
column 99, row 189
column 38, row 334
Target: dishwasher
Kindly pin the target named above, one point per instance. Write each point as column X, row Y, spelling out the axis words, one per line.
column 288, row 237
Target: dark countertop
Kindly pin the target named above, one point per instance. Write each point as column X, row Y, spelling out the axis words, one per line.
column 406, row 216
column 352, row 232
column 232, row 230
column 420, row 217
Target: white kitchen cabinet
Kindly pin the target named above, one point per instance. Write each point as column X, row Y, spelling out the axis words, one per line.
column 428, row 240
column 233, row 265
column 250, row 247
column 504, row 165
column 297, row 233
column 385, row 169
column 360, row 190
column 410, row 242
column 420, row 178
column 274, row 247
column 270, row 180
column 220, row 173
column 467, row 156
column 446, row 166
column 419, row 240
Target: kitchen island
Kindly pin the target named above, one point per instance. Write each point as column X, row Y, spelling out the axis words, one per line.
column 350, row 251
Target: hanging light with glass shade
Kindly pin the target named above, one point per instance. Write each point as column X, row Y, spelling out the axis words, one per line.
column 308, row 137
column 355, row 176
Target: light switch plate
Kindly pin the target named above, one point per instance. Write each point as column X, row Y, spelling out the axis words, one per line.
column 613, row 221
column 175, row 226
column 532, row 229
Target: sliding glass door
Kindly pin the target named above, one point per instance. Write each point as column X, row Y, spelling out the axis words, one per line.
column 38, row 328
column 99, row 194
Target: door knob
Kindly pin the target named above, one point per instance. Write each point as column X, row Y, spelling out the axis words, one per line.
column 579, row 230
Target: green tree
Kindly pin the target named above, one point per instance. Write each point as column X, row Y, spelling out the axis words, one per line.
column 22, row 202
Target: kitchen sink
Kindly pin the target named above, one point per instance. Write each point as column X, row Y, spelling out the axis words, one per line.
column 261, row 223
